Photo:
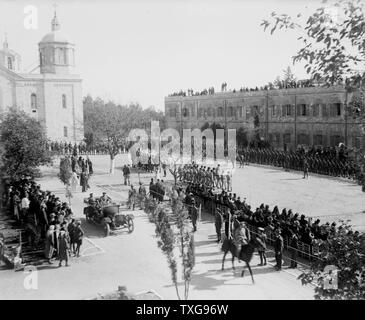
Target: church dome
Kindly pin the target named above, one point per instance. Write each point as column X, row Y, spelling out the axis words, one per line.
column 54, row 36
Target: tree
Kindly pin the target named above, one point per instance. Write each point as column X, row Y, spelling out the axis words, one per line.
column 332, row 48
column 23, row 142
column 65, row 176
column 288, row 75
column 332, row 40
column 345, row 250
column 173, row 230
column 110, row 124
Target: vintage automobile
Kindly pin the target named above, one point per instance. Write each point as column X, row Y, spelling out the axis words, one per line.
column 109, row 216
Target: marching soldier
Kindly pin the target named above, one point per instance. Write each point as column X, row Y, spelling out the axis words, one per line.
column 132, row 197
column 194, row 214
column 218, row 224
column 141, row 195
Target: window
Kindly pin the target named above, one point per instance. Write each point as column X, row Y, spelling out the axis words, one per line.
column 220, row 112
column 33, row 101
column 64, row 101
column 10, row 63
column 172, row 112
column 210, row 112
column 303, row 139
column 335, row 140
column 240, row 111
column 65, row 133
column 356, row 142
column 335, row 109
column 324, row 110
column 192, row 111
column 289, row 110
column 286, row 138
column 318, row 140
column 302, row 110
column 185, row 112
column 315, row 110
column 273, row 111
column 274, row 138
column 230, row 112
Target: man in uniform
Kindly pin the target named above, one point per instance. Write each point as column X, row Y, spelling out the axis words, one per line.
column 218, row 224
column 132, row 197
column 194, row 214
column 279, row 246
column 141, row 195
column 104, row 200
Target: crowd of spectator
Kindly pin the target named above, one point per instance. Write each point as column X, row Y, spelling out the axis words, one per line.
column 47, row 221
column 278, row 85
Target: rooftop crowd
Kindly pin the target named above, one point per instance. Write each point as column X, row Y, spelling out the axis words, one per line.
column 277, row 86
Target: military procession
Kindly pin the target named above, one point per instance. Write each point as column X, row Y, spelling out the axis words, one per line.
column 321, row 161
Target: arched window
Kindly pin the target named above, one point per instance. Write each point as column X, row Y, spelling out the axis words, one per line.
column 220, row 112
column 64, row 101
column 230, row 112
column 10, row 63
column 33, row 101
column 210, row 111
column 185, row 112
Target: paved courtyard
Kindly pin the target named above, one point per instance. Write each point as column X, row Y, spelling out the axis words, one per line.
column 133, row 260
column 327, row 198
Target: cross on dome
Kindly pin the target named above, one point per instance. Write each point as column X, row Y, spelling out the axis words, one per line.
column 55, row 24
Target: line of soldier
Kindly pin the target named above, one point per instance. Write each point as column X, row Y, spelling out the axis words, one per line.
column 316, row 162
column 294, row 228
column 212, row 177
column 76, row 148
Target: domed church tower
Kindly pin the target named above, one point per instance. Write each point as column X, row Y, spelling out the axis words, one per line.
column 56, row 53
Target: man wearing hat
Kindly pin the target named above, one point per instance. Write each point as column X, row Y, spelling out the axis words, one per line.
column 132, row 197
column 218, row 224
column 279, row 246
column 78, row 236
column 193, row 213
column 141, row 195
column 261, row 239
column 104, row 199
column 294, row 247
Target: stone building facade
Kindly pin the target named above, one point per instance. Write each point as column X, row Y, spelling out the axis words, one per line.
column 287, row 118
column 54, row 95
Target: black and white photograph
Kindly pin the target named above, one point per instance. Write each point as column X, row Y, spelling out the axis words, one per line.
column 182, row 150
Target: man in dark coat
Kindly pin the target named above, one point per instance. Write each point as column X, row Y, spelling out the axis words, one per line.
column 78, row 236
column 194, row 214
column 279, row 247
column 49, row 244
column 294, row 248
column 261, row 239
column 63, row 248
column 218, row 224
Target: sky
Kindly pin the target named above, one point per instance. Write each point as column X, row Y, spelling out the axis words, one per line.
column 143, row 50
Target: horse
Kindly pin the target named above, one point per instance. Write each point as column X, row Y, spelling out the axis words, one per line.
column 245, row 253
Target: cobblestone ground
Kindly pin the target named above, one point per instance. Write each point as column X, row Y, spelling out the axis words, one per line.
column 330, row 199
column 133, row 260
